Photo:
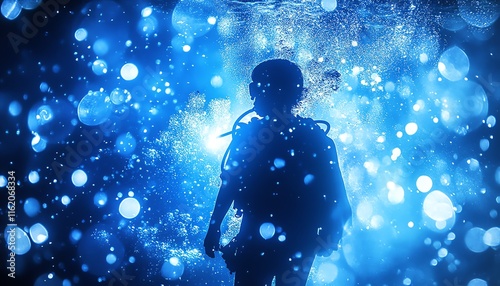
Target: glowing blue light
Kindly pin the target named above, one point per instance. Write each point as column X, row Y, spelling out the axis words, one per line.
column 282, row 237
column 33, row 177
column 216, row 81
column 19, row 238
column 94, row 108
column 438, row 206
column 146, row 12
column 172, row 269
column 423, row 58
column 267, row 230
column 396, row 193
column 474, row 240
column 10, row 9
column 129, row 71
column 477, row 282
column 390, row 86
column 186, row 48
column 411, row 128
column 75, row 235
column 327, row 272
column 454, row 64
column 100, row 67
column 31, row 207
column 484, row 144
column 51, row 120
column 491, row 121
column 424, row 183
column 65, row 200
column 492, row 237
column 15, row 108
column 38, row 233
column 38, row 144
column 480, row 13
column 308, row 179
column 147, row 26
column 376, row 222
column 79, row 178
column 497, row 178
column 329, row 5
column 364, row 211
column 44, row 87
column 100, row 47
column 119, row 96
column 3, row 181
column 129, row 208
column 81, row 34
column 212, row 20
column 442, row 252
column 110, row 258
column 44, row 114
column 125, row 144
column 464, row 106
column 279, row 163
column 100, row 199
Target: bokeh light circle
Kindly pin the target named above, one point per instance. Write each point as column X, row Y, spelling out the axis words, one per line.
column 464, row 106
column 424, row 183
column 79, row 178
column 492, row 237
column 94, row 108
column 172, row 269
column 38, row 233
column 19, row 238
column 11, row 9
column 31, row 207
column 474, row 240
column 52, row 119
column 129, row 208
column 267, row 230
column 438, row 206
column 454, row 64
column 129, row 71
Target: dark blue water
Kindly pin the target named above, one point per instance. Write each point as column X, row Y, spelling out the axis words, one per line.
column 110, row 113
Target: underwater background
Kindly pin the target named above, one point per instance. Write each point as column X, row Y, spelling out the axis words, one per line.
column 110, row 113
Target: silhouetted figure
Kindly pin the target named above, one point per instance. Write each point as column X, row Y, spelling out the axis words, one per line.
column 282, row 176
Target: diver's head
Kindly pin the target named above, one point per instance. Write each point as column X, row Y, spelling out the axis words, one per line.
column 276, row 84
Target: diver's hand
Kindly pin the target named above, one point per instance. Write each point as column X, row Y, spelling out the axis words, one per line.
column 211, row 242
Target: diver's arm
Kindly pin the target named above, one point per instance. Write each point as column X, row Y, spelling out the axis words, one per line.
column 338, row 209
column 222, row 204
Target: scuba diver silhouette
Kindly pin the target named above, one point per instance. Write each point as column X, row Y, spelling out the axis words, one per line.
column 281, row 174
